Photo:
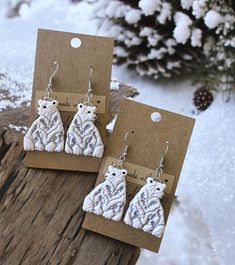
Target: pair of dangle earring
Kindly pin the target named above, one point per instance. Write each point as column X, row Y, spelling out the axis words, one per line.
column 144, row 211
column 47, row 132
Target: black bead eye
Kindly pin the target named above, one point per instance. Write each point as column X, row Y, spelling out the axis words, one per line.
column 123, row 172
column 151, row 181
column 158, row 188
column 44, row 107
column 88, row 112
column 114, row 174
column 80, row 106
column 53, row 102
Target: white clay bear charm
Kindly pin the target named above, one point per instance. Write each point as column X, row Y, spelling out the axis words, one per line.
column 46, row 133
column 145, row 210
column 109, row 197
column 83, row 137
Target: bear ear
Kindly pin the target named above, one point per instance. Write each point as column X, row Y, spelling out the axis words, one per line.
column 163, row 186
column 124, row 172
column 80, row 106
column 150, row 180
column 110, row 167
column 94, row 108
column 55, row 102
column 39, row 102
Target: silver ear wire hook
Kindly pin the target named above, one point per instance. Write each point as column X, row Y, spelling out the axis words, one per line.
column 122, row 158
column 50, row 84
column 89, row 91
column 160, row 166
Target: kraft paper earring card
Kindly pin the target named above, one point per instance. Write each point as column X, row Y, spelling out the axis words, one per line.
column 152, row 128
column 75, row 54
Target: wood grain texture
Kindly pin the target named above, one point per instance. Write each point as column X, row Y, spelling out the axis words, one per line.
column 41, row 215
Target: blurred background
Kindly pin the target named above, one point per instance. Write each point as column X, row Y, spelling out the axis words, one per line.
column 178, row 55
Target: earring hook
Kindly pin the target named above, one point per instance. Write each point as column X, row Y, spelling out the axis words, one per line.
column 126, row 136
column 160, row 166
column 122, row 158
column 89, row 91
column 50, row 84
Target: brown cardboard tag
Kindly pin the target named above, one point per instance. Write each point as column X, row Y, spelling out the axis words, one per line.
column 69, row 87
column 146, row 147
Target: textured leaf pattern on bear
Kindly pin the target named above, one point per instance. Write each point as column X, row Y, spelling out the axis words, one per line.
column 83, row 137
column 47, row 132
column 145, row 210
column 109, row 197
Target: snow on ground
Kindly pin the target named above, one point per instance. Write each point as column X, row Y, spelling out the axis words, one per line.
column 205, row 214
column 209, row 175
column 185, row 241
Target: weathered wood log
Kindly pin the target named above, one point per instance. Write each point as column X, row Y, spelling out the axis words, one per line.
column 41, row 216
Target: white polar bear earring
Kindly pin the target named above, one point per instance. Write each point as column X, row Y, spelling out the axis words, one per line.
column 83, row 137
column 109, row 197
column 145, row 210
column 46, row 133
